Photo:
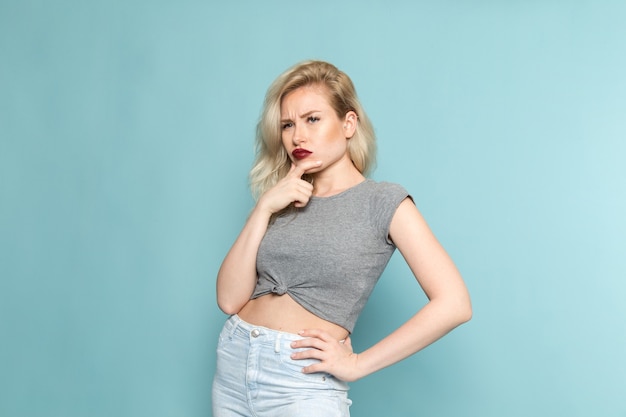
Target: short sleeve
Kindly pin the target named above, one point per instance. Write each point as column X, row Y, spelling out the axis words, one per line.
column 387, row 198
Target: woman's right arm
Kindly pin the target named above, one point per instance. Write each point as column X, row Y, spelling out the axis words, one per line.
column 237, row 276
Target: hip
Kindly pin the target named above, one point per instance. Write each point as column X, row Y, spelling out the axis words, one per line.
column 255, row 372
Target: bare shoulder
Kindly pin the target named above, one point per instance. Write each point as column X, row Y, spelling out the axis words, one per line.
column 408, row 223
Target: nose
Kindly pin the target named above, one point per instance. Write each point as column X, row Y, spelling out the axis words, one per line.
column 298, row 135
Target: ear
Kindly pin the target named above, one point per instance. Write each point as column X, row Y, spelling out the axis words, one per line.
column 349, row 124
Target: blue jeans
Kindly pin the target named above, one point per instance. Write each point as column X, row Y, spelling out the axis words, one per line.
column 256, row 377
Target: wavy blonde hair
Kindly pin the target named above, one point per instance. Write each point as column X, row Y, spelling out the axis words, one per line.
column 272, row 162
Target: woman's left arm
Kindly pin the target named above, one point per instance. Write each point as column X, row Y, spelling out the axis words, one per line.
column 448, row 306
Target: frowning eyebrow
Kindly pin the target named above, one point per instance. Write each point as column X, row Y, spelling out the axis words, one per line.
column 302, row 116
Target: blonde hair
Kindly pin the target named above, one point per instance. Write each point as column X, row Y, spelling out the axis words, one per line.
column 272, row 162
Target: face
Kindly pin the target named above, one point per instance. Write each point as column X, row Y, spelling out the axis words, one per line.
column 312, row 130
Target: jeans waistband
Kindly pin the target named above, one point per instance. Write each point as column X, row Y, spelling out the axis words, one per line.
column 236, row 326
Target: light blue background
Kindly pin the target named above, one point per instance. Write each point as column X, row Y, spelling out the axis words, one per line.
column 127, row 133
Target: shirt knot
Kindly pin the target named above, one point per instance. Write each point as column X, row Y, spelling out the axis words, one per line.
column 279, row 289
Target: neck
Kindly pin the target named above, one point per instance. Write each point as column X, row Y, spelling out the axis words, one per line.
column 328, row 184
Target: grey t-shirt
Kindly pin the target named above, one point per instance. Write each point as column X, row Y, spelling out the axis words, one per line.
column 329, row 255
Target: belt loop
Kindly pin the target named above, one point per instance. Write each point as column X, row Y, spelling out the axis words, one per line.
column 236, row 322
column 277, row 343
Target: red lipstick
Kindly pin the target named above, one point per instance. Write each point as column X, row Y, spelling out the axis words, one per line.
column 300, row 153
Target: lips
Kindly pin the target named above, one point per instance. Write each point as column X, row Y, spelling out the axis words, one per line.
column 300, row 153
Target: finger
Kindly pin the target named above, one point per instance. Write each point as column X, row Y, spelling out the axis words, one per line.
column 302, row 193
column 311, row 342
column 316, row 333
column 302, row 200
column 303, row 188
column 292, row 169
column 317, row 367
column 347, row 342
column 305, row 166
column 308, row 354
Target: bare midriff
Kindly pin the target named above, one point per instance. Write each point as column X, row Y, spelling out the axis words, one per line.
column 282, row 313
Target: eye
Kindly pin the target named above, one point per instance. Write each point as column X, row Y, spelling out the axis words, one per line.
column 312, row 119
column 286, row 125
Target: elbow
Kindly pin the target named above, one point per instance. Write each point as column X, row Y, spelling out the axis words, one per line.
column 464, row 311
column 230, row 301
column 454, row 312
column 227, row 307
column 466, row 314
column 459, row 310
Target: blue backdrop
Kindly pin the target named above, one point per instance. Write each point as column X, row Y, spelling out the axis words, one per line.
column 126, row 135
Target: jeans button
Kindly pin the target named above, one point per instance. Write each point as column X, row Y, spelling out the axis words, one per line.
column 255, row 333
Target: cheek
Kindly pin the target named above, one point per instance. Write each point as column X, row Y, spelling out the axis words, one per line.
column 287, row 146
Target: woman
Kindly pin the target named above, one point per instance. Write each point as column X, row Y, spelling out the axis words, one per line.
column 310, row 253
